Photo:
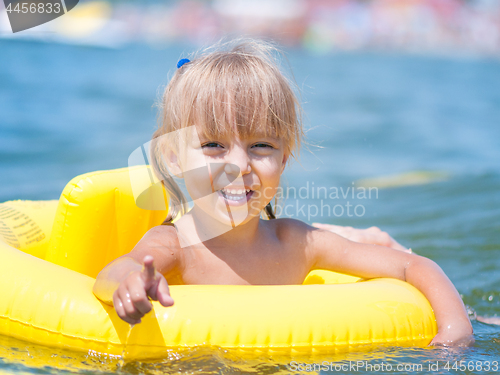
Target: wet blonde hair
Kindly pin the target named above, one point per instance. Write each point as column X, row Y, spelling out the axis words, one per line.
column 231, row 88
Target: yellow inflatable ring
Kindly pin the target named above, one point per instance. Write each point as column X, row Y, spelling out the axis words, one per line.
column 50, row 252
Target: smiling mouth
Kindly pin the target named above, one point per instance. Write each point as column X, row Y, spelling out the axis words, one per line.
column 235, row 194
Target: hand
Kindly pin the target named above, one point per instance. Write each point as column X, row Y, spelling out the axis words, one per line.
column 453, row 339
column 131, row 300
column 488, row 320
column 372, row 235
column 455, row 331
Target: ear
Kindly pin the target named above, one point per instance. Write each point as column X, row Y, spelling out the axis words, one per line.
column 172, row 161
column 283, row 163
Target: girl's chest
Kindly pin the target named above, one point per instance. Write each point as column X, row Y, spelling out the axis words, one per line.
column 243, row 267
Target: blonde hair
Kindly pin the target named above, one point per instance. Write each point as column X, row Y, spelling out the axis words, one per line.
column 231, row 88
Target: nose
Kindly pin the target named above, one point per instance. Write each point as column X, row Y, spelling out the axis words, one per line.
column 237, row 160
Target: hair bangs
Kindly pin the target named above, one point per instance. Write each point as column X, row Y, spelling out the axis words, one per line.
column 244, row 96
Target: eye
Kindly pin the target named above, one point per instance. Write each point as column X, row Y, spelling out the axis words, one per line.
column 263, row 145
column 211, row 145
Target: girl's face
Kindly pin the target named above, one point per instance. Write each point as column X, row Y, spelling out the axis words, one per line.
column 232, row 178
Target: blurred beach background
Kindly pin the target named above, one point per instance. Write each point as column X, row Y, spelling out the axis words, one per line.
column 421, row 26
column 401, row 96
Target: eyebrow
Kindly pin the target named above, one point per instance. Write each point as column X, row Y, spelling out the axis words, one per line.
column 261, row 134
column 244, row 134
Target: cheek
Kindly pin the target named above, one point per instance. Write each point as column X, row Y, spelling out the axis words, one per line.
column 271, row 170
column 197, row 182
column 192, row 159
column 270, row 175
column 195, row 172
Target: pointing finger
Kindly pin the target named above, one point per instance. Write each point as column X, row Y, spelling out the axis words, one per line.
column 148, row 270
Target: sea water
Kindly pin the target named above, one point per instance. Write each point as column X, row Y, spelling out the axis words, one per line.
column 408, row 143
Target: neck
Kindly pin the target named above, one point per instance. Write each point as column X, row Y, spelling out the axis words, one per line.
column 246, row 233
column 196, row 227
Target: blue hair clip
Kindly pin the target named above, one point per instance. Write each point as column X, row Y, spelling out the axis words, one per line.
column 181, row 62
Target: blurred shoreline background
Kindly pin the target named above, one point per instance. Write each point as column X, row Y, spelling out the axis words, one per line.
column 455, row 27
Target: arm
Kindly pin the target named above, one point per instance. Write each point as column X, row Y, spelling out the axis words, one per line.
column 336, row 253
column 372, row 235
column 129, row 281
column 489, row 320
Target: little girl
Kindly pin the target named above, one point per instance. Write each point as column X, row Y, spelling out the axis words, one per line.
column 229, row 124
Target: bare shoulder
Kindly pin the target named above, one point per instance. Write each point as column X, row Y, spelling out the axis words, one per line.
column 309, row 242
column 292, row 232
column 296, row 232
column 161, row 235
column 287, row 227
column 161, row 242
column 291, row 228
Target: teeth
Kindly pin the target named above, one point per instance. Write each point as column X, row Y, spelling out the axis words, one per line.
column 235, row 194
column 232, row 198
